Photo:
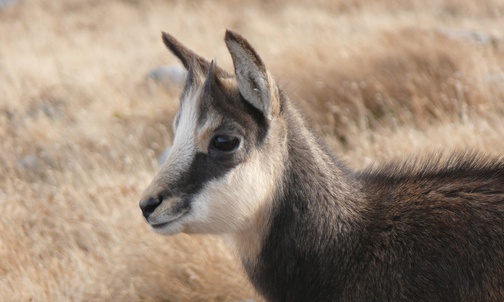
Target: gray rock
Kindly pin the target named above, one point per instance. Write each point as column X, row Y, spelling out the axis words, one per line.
column 168, row 75
column 51, row 107
column 28, row 162
column 162, row 158
column 458, row 33
column 5, row 3
column 496, row 77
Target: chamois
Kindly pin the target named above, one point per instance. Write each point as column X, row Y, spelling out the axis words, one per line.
column 245, row 165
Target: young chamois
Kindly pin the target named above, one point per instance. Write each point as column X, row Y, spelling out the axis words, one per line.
column 245, row 165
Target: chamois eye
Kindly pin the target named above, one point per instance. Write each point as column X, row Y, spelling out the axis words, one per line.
column 225, row 143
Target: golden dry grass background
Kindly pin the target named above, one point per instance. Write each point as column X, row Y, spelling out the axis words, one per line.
column 81, row 126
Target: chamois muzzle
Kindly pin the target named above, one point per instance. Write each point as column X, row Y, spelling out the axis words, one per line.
column 149, row 206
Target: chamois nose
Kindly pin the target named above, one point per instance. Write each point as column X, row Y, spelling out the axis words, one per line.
column 149, row 206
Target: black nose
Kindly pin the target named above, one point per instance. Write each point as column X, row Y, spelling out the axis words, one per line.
column 149, row 206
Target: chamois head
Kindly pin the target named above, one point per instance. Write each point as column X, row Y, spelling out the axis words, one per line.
column 224, row 164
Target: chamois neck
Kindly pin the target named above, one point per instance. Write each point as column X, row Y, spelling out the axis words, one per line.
column 324, row 179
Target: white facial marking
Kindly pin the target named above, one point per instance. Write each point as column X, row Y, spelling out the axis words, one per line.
column 178, row 161
column 184, row 147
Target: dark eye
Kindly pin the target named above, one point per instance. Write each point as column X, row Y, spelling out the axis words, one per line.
column 225, row 142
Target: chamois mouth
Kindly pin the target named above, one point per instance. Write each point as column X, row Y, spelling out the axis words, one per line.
column 160, row 225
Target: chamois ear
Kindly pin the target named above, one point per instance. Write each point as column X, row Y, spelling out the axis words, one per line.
column 254, row 82
column 188, row 57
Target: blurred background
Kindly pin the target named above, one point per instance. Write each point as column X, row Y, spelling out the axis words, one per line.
column 88, row 92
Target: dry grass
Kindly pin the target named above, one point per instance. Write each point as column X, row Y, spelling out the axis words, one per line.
column 81, row 127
